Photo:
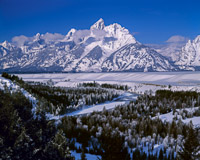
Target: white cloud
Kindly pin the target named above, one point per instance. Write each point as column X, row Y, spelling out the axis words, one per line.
column 99, row 34
column 52, row 37
column 80, row 34
column 20, row 40
column 177, row 39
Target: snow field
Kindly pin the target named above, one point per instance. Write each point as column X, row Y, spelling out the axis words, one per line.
column 138, row 81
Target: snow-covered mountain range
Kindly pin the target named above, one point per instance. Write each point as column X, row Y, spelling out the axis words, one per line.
column 98, row 49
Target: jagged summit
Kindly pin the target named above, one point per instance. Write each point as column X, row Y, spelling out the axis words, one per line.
column 37, row 37
column 5, row 44
column 197, row 39
column 98, row 25
column 190, row 55
column 70, row 34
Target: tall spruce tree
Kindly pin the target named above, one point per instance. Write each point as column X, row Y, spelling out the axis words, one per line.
column 191, row 147
column 83, row 156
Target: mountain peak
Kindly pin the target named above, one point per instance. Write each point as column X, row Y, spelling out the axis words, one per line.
column 190, row 53
column 70, row 33
column 6, row 44
column 98, row 25
column 197, row 39
column 37, row 37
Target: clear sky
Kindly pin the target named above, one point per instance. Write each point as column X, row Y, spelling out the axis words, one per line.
column 151, row 21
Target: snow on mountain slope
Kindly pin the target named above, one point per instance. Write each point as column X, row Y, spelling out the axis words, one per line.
column 102, row 48
column 171, row 48
column 190, row 55
column 117, row 36
column 98, row 25
column 92, row 60
column 136, row 57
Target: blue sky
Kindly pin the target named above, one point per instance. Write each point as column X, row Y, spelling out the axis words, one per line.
column 152, row 21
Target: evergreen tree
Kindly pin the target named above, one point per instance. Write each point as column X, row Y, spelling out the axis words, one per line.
column 83, row 157
column 60, row 145
column 191, row 147
column 23, row 146
column 160, row 157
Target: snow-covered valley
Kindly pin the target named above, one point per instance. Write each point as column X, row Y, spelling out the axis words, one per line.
column 138, row 81
column 146, row 109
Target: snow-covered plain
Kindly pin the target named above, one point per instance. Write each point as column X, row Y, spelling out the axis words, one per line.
column 138, row 81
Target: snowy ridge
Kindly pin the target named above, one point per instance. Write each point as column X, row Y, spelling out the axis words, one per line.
column 101, row 48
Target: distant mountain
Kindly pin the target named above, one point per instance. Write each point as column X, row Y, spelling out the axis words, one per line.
column 101, row 48
column 190, row 55
column 171, row 48
column 136, row 57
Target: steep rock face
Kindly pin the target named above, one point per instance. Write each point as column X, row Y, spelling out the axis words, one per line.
column 190, row 55
column 102, row 48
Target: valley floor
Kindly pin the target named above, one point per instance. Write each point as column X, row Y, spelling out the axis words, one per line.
column 138, row 81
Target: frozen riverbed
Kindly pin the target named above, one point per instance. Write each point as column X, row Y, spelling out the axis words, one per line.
column 122, row 99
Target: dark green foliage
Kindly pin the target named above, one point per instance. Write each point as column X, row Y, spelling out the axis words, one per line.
column 83, row 157
column 104, row 85
column 22, row 136
column 166, row 101
column 187, row 97
column 113, row 147
column 94, row 84
column 161, row 155
column 191, row 146
column 131, row 119
column 57, row 100
column 59, row 143
column 12, row 77
column 140, row 155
